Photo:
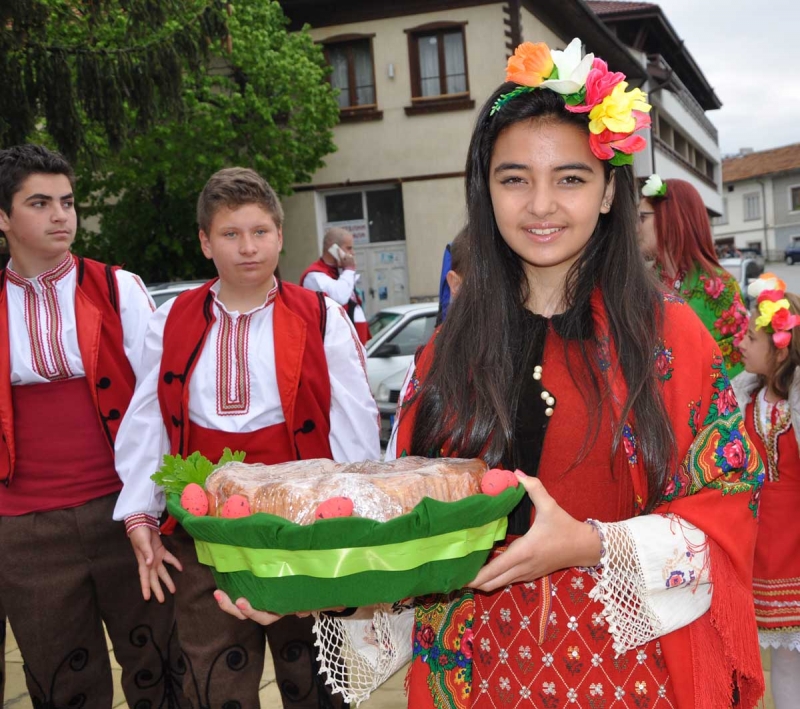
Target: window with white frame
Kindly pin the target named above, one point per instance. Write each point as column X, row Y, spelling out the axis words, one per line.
column 794, row 198
column 371, row 215
column 752, row 206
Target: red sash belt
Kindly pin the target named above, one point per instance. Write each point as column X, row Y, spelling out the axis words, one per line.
column 63, row 458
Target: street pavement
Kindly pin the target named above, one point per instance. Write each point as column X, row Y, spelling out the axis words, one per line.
column 390, row 696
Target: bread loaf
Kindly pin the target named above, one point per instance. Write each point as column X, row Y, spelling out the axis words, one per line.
column 379, row 491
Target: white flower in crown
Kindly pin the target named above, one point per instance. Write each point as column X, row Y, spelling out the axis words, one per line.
column 654, row 187
column 572, row 69
column 766, row 281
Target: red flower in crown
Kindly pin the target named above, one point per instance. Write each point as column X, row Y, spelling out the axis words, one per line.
column 599, row 84
column 773, row 295
column 604, row 144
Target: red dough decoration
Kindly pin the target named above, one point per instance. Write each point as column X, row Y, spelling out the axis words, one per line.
column 496, row 480
column 194, row 500
column 334, row 507
column 236, row 506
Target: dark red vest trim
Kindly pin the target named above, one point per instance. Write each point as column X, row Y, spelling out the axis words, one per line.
column 100, row 339
column 299, row 321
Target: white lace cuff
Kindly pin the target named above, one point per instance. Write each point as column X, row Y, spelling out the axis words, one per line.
column 653, row 578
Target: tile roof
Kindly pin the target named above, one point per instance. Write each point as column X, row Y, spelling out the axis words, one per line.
column 610, row 8
column 765, row 162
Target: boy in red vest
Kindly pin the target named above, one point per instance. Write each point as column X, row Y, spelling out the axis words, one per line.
column 252, row 363
column 71, row 332
column 334, row 274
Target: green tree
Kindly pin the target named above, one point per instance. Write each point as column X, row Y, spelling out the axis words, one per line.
column 264, row 103
column 112, row 68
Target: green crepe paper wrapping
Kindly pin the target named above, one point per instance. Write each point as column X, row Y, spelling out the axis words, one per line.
column 264, row 543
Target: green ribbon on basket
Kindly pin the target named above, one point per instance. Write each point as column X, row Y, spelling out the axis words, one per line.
column 336, row 563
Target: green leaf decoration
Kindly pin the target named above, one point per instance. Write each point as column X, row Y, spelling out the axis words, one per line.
column 505, row 98
column 553, row 74
column 621, row 158
column 177, row 472
column 577, row 98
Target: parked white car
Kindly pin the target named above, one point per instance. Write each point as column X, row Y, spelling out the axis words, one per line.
column 162, row 292
column 397, row 333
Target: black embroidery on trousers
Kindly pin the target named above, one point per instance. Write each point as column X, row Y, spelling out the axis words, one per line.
column 294, row 651
column 168, row 675
column 75, row 661
column 236, row 659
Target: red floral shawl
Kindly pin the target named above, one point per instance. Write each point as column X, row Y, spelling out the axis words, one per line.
column 715, row 487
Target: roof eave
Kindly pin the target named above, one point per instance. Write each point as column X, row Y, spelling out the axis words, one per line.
column 710, row 100
column 576, row 18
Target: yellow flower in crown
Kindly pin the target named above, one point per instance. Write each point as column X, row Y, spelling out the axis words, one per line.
column 615, row 111
column 767, row 309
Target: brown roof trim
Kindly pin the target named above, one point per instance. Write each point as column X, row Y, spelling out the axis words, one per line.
column 773, row 162
column 390, row 181
column 574, row 18
column 676, row 53
column 325, row 13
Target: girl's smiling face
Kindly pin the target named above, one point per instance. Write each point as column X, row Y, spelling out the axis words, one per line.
column 548, row 191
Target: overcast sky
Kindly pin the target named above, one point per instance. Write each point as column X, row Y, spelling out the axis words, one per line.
column 749, row 50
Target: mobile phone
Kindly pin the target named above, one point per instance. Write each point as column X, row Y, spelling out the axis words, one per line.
column 337, row 252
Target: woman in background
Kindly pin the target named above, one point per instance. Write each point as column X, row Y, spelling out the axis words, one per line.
column 674, row 231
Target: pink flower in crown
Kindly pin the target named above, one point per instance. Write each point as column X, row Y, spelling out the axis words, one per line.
column 604, row 144
column 714, row 287
column 599, row 84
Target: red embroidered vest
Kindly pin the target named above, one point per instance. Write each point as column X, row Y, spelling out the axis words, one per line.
column 100, row 338
column 299, row 321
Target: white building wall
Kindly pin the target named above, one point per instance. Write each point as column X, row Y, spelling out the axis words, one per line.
column 667, row 167
column 399, row 145
column 748, row 231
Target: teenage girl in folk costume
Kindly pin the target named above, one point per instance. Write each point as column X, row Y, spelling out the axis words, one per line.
column 675, row 232
column 769, row 395
column 626, row 577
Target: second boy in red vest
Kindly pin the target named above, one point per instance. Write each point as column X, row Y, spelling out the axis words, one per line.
column 250, row 363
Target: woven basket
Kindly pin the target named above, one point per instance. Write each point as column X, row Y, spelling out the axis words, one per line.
column 285, row 567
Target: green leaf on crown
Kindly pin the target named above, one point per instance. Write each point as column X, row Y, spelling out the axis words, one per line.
column 621, row 158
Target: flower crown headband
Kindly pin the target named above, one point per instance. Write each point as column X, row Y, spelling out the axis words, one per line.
column 654, row 186
column 587, row 87
column 774, row 314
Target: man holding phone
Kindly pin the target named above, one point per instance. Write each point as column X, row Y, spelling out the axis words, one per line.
column 334, row 273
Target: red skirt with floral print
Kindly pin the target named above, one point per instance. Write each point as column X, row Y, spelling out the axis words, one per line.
column 561, row 655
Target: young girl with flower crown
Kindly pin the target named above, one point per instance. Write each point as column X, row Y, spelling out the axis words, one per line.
column 625, row 579
column 674, row 231
column 769, row 395
column 626, row 576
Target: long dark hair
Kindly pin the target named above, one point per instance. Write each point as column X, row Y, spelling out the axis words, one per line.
column 467, row 404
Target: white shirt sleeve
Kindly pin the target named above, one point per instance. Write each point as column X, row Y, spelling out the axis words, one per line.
column 654, row 578
column 136, row 308
column 355, row 423
column 142, row 438
column 391, row 449
column 339, row 290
